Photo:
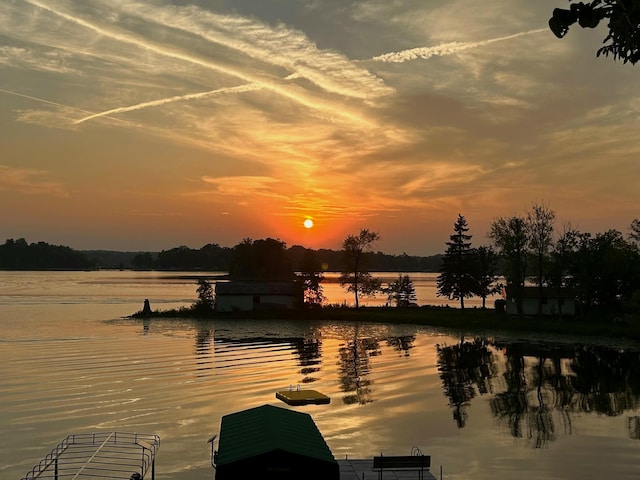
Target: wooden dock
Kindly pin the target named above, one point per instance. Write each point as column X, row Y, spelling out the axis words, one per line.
column 362, row 469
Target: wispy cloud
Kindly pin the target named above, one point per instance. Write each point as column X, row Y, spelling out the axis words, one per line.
column 445, row 48
column 29, row 181
column 242, row 185
column 293, row 112
column 278, row 47
column 47, row 61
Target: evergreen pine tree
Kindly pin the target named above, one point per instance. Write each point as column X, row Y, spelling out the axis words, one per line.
column 455, row 280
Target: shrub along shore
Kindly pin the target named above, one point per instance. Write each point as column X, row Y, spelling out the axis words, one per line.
column 469, row 320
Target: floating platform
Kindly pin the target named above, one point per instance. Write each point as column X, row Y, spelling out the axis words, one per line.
column 302, row 397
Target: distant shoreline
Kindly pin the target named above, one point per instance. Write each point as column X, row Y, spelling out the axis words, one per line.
column 471, row 320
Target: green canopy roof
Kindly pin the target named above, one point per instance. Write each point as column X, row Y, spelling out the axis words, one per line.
column 267, row 428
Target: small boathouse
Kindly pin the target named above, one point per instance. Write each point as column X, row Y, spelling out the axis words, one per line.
column 270, row 443
column 253, row 296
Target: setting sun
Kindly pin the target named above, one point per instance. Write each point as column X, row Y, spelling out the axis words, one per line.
column 308, row 223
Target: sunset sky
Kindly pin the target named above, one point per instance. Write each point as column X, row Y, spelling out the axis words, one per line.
column 145, row 125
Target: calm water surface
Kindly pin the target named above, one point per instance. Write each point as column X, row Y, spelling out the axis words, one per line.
column 484, row 408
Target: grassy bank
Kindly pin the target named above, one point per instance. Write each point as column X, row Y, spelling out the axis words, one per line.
column 469, row 320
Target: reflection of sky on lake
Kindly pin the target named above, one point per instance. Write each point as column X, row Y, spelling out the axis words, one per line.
column 482, row 407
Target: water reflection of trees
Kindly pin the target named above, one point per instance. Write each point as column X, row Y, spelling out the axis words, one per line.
column 465, row 368
column 541, row 384
column 354, row 357
column 402, row 344
column 633, row 427
column 354, row 367
column 606, row 380
column 355, row 364
column 204, row 357
column 309, row 353
column 524, row 406
column 306, row 349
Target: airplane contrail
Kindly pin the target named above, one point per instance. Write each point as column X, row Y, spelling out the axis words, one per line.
column 444, row 49
column 306, row 100
column 42, row 100
column 247, row 87
column 49, row 102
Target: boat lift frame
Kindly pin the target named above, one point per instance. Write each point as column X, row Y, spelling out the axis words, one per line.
column 99, row 456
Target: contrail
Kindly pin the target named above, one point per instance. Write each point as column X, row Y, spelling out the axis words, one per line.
column 49, row 102
column 444, row 49
column 306, row 100
column 41, row 100
column 247, row 87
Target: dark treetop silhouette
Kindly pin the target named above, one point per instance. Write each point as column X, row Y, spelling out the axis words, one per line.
column 623, row 39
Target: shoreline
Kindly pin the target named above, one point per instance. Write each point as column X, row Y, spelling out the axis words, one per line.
column 598, row 324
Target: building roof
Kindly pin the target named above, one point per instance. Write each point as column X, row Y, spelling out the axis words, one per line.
column 267, row 428
column 258, row 288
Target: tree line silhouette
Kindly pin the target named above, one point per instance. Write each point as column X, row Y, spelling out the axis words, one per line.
column 20, row 255
column 601, row 271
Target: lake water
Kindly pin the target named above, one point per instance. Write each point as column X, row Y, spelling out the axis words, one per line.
column 483, row 407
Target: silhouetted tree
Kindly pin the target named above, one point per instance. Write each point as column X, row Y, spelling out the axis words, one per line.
column 633, row 302
column 401, row 291
column 263, row 260
column 606, row 269
column 311, row 276
column 623, row 38
column 205, row 302
column 143, row 260
column 511, row 237
column 562, row 260
column 540, row 221
column 455, row 280
column 181, row 257
column 20, row 255
column 485, row 277
column 355, row 275
column 634, row 232
column 213, row 257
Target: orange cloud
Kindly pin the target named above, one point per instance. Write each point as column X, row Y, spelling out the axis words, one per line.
column 28, row 181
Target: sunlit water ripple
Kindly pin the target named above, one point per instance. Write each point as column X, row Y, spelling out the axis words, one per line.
column 73, row 368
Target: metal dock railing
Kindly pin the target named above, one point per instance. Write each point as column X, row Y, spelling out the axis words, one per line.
column 99, row 456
